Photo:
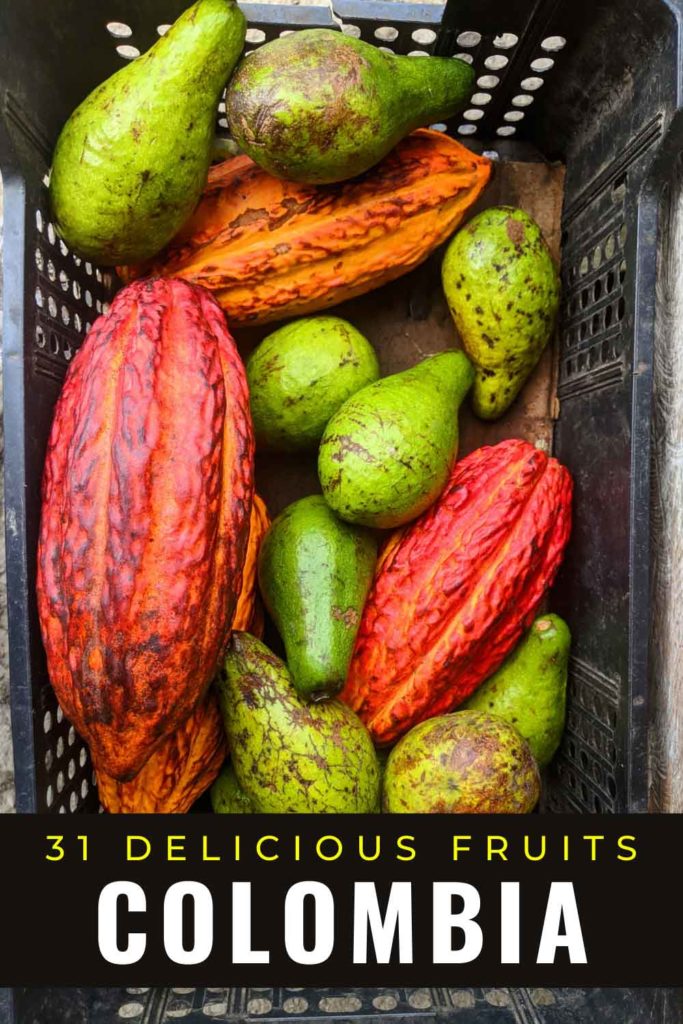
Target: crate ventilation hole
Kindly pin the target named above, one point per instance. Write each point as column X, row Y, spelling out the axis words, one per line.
column 296, row 1003
column 67, row 764
column 594, row 306
column 497, row 63
column 467, row 41
column 119, row 30
column 64, row 306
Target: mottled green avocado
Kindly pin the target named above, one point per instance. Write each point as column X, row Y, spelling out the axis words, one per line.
column 291, row 756
column 465, row 763
column 386, row 455
column 227, row 796
column 504, row 292
column 529, row 689
column 301, row 374
column 318, row 106
column 315, row 572
column 132, row 160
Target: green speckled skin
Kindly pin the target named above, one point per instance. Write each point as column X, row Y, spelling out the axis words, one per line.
column 465, row 763
column 301, row 374
column 314, row 573
column 132, row 160
column 529, row 689
column 318, row 106
column 504, row 292
column 386, row 455
column 227, row 796
column 289, row 756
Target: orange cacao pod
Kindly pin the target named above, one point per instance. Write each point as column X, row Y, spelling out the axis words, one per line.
column 147, row 493
column 179, row 770
column 271, row 249
column 248, row 614
column 455, row 589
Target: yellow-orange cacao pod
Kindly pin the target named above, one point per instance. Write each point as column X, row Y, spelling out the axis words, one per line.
column 270, row 249
column 248, row 613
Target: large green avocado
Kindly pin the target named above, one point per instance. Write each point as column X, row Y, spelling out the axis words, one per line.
column 465, row 763
column 290, row 756
column 300, row 375
column 132, row 160
column 504, row 292
column 227, row 796
column 386, row 454
column 318, row 106
column 314, row 573
column 529, row 689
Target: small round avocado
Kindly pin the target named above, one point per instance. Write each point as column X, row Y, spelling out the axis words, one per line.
column 301, row 374
column 465, row 763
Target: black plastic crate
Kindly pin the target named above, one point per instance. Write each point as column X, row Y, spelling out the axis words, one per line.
column 340, row 1006
column 593, row 83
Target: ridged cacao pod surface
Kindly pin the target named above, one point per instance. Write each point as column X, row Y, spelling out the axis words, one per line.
column 271, row 249
column 249, row 613
column 147, row 494
column 455, row 589
column 179, row 770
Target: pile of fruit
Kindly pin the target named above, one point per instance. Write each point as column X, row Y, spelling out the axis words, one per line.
column 408, row 595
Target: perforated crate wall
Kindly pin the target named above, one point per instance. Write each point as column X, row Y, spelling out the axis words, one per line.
column 400, row 1006
column 69, row 294
column 509, row 73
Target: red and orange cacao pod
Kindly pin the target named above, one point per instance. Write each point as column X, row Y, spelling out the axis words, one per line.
column 270, row 249
column 249, row 613
column 178, row 772
column 147, row 494
column 455, row 589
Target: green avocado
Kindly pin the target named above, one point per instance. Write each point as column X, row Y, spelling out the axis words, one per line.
column 300, row 375
column 465, row 763
column 290, row 756
column 315, row 573
column 529, row 689
column 504, row 293
column 386, row 455
column 318, row 106
column 227, row 796
column 132, row 160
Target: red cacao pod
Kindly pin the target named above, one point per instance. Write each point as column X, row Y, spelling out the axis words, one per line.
column 178, row 772
column 147, row 494
column 455, row 589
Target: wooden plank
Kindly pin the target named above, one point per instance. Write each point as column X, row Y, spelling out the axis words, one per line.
column 666, row 658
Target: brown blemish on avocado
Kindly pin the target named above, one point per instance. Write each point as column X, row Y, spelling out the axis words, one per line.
column 350, row 617
column 345, row 445
column 515, row 231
